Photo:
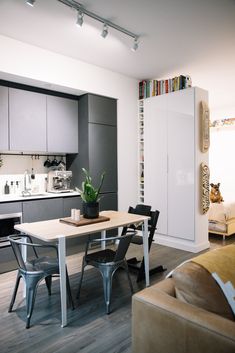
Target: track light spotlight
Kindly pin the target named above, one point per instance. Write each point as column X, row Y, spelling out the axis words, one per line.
column 135, row 44
column 80, row 18
column 104, row 31
column 30, row 2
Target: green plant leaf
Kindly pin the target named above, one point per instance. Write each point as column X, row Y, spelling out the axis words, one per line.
column 88, row 192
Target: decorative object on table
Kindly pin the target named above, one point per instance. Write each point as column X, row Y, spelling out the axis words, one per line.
column 205, row 187
column 90, row 195
column 205, row 126
column 84, row 221
column 215, row 194
column 75, row 214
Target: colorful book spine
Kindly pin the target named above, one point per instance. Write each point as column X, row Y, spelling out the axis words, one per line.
column 151, row 88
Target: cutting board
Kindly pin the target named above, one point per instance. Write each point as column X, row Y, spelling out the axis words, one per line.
column 84, row 221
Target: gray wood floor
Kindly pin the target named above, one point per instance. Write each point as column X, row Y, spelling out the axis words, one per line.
column 90, row 330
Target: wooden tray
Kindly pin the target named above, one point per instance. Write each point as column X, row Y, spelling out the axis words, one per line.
column 84, row 221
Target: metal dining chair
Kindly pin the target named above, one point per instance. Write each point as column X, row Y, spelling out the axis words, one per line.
column 34, row 270
column 107, row 261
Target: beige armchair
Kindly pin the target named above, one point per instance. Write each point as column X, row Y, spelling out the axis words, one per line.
column 161, row 323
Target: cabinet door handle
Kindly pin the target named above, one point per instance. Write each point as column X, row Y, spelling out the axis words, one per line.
column 167, row 164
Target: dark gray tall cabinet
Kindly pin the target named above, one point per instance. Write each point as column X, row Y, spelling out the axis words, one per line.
column 97, row 146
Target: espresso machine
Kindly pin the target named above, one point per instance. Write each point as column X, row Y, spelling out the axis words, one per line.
column 59, row 181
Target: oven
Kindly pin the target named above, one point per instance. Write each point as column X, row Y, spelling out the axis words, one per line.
column 7, row 257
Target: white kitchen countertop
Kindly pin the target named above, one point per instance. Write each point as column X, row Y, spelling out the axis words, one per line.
column 46, row 195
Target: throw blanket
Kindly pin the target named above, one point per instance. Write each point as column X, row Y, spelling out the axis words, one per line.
column 221, row 264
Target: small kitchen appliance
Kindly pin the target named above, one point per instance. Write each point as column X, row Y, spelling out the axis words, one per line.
column 59, row 181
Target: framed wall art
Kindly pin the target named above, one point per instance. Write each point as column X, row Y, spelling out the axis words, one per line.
column 205, row 188
column 205, row 126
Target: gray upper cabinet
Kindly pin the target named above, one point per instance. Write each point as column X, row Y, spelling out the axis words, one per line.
column 27, row 118
column 4, row 143
column 62, row 125
column 102, row 110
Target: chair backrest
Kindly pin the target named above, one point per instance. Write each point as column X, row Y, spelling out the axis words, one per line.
column 122, row 247
column 145, row 210
column 124, row 242
column 153, row 224
column 16, row 243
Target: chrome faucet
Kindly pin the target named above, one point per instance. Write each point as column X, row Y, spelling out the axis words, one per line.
column 27, row 182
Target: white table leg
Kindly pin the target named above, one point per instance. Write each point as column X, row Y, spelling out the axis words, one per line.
column 63, row 293
column 146, row 251
column 103, row 236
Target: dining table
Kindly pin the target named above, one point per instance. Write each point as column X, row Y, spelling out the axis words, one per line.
column 56, row 231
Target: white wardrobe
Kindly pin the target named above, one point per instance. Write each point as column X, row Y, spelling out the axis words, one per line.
column 172, row 159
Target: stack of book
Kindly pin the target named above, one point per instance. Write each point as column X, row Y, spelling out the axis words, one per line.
column 151, row 88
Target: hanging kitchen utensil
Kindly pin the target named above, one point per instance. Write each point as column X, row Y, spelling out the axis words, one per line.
column 47, row 163
column 54, row 163
column 61, row 164
column 32, row 173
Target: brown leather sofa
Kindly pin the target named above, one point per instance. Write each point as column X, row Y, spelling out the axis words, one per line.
column 183, row 314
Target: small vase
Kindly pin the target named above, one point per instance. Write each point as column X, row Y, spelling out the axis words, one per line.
column 90, row 209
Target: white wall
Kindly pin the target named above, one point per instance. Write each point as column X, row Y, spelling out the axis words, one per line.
column 221, row 160
column 25, row 63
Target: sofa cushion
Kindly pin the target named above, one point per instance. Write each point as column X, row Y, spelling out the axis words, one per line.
column 195, row 285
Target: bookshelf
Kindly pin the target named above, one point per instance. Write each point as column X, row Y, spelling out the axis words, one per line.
column 141, row 151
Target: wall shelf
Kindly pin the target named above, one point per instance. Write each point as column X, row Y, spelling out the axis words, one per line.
column 141, row 151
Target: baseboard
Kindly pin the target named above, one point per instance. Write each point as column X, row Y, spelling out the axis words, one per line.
column 181, row 244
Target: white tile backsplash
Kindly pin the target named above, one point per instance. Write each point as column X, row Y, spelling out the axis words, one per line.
column 17, row 164
column 37, row 185
column 13, row 169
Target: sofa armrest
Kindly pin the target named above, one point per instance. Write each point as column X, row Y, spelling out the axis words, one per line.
column 163, row 324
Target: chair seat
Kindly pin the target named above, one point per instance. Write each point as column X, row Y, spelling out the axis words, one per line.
column 44, row 264
column 102, row 256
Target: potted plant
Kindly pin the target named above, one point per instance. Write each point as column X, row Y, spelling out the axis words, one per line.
column 90, row 195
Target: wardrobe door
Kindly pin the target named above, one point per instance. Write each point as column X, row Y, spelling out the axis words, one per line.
column 155, row 158
column 181, row 160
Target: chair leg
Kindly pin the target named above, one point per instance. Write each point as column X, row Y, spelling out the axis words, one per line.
column 81, row 278
column 48, row 281
column 107, row 284
column 31, row 290
column 69, row 290
column 15, row 292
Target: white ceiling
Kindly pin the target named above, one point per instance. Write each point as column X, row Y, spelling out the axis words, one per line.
column 194, row 37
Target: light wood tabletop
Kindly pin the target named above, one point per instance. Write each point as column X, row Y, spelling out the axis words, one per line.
column 50, row 230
